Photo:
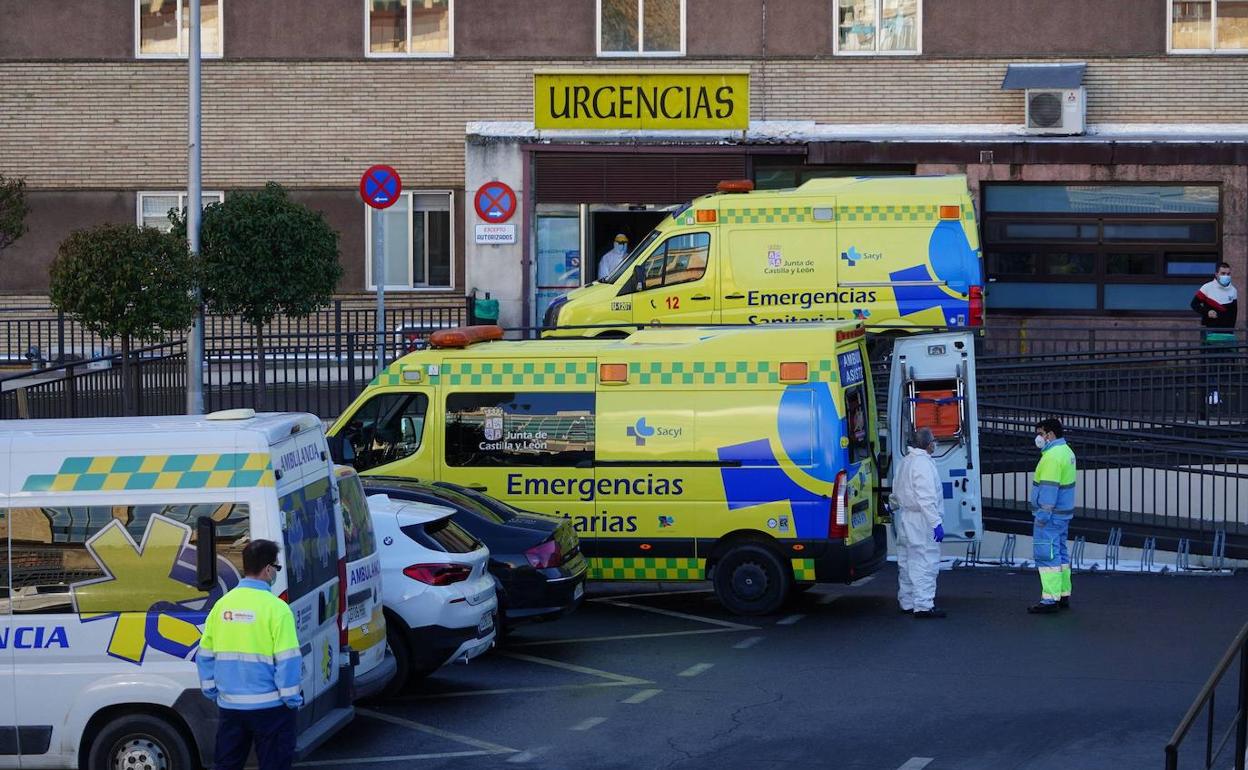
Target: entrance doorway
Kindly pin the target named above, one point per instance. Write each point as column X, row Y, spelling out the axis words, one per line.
column 605, row 222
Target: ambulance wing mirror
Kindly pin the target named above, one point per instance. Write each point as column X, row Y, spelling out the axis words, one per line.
column 639, row 277
column 340, row 450
column 205, row 553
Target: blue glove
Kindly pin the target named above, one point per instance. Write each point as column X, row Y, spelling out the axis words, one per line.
column 939, row 533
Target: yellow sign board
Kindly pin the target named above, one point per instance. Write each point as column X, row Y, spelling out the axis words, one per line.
column 642, row 100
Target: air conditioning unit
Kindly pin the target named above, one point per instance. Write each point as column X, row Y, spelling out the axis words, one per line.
column 1060, row 112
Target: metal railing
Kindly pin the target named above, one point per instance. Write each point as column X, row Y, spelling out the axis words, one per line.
column 1208, row 698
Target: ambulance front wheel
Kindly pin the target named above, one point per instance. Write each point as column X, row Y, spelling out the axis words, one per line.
column 141, row 742
column 751, row 580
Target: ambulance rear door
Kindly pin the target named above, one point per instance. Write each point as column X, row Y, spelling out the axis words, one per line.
column 932, row 385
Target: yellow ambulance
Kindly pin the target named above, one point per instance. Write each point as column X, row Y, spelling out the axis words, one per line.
column 887, row 251
column 743, row 455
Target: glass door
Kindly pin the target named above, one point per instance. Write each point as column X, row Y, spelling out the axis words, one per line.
column 558, row 263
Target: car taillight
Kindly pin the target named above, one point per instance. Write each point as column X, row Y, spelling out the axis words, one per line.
column 545, row 555
column 438, row 574
column 342, row 603
column 838, row 513
column 975, row 308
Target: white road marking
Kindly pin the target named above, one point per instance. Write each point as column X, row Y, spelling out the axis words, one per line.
column 641, row 697
column 588, row 724
column 613, row 597
column 450, row 736
column 684, row 616
column 514, row 690
column 392, row 758
column 527, row 756
column 747, row 642
column 790, row 620
column 862, row 582
column 696, row 669
column 916, row 763
column 620, row 637
column 828, row 598
column 575, row 668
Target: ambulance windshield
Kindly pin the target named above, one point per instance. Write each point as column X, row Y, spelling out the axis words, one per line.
column 627, row 264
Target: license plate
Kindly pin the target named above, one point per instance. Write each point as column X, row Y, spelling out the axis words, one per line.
column 486, row 625
column 357, row 614
column 858, row 519
column 579, row 592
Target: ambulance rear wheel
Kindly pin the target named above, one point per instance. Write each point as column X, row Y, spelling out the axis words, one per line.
column 751, row 580
column 139, row 742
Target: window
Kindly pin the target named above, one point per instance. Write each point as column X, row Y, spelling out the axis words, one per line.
column 878, row 26
column 387, row 429
column 154, row 207
column 418, row 241
column 1208, row 26
column 781, row 173
column 162, row 28
column 680, row 259
column 641, row 27
column 856, row 424
column 409, row 27
column 1099, row 247
column 310, row 531
column 520, row 429
column 356, row 523
column 50, row 559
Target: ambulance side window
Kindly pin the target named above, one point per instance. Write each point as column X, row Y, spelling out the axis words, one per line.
column 4, row 561
column 53, row 565
column 680, row 259
column 856, row 424
column 387, row 428
column 520, row 429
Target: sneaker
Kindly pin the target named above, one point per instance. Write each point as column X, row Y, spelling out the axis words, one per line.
column 932, row 613
column 1044, row 608
column 905, row 611
column 1064, row 602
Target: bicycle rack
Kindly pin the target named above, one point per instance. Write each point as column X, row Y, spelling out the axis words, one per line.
column 1150, row 553
column 972, row 552
column 1007, row 549
column 1076, row 552
column 1183, row 557
column 1111, row 548
column 1219, row 549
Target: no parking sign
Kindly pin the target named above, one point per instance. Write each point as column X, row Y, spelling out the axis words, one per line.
column 495, row 202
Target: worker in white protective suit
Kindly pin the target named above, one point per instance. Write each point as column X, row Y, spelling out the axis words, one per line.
column 917, row 503
column 608, row 262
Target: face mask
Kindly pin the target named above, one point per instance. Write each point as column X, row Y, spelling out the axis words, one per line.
column 1225, row 280
column 1040, row 442
column 622, row 248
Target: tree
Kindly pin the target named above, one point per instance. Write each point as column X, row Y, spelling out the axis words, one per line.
column 13, row 210
column 127, row 282
column 264, row 255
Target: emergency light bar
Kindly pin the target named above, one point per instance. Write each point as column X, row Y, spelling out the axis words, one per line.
column 464, row 336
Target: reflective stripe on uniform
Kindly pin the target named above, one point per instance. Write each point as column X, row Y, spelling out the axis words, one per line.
column 247, row 657
column 286, row 655
column 253, row 699
column 288, row 692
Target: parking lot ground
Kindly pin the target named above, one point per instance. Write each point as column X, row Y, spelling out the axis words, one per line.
column 648, row 676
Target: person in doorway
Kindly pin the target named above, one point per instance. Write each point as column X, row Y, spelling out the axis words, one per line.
column 1217, row 302
column 608, row 262
column 249, row 664
column 919, row 528
column 1052, row 506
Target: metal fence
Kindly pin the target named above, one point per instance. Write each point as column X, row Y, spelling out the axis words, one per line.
column 48, row 337
column 1234, row 688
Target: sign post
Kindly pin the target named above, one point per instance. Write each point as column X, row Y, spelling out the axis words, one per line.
column 380, row 187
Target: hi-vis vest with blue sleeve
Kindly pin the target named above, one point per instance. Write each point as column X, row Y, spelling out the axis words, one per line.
column 1053, row 485
column 249, row 655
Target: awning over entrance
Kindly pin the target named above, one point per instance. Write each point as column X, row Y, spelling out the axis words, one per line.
column 614, row 175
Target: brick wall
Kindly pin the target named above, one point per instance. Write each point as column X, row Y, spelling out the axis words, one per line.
column 317, row 124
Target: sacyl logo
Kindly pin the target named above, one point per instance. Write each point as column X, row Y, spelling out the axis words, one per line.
column 853, row 256
column 640, row 432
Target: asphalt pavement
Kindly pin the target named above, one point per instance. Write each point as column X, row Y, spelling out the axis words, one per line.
column 649, row 676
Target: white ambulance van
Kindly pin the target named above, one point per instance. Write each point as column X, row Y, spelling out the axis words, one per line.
column 116, row 538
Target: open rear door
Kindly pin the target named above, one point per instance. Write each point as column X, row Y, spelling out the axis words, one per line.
column 932, row 385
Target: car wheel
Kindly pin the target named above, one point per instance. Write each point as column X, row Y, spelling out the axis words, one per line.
column 396, row 640
column 751, row 580
column 139, row 742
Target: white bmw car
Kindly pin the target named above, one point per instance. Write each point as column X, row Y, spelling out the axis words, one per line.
column 437, row 593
